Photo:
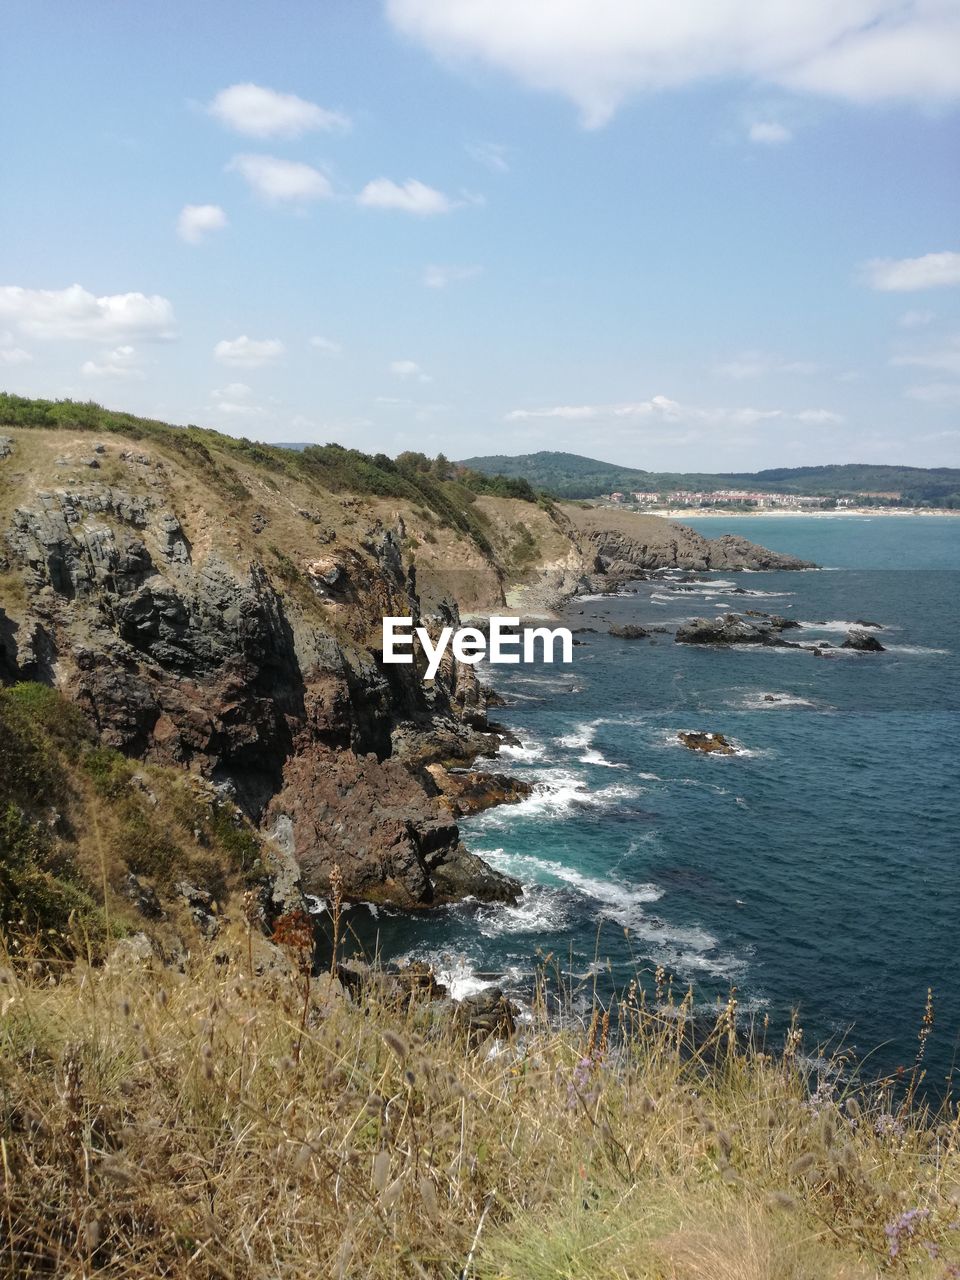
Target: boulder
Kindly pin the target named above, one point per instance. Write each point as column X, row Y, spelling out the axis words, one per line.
column 708, row 743
column 862, row 641
column 629, row 632
column 471, row 791
column 488, row 1013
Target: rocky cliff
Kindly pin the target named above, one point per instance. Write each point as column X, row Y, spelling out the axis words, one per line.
column 623, row 541
column 217, row 606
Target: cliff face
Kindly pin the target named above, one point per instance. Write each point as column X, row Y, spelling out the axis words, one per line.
column 214, row 611
column 623, row 541
column 186, row 645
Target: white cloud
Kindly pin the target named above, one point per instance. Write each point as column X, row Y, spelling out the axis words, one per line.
column 248, row 353
column 757, row 364
column 903, row 275
column 819, row 417
column 263, row 113
column 936, row 393
column 119, row 363
column 235, row 399
column 282, row 181
column 768, row 133
column 917, row 319
column 663, row 409
column 326, row 346
column 410, row 197
column 572, row 412
column 492, row 155
column 10, row 354
column 944, row 358
column 599, row 52
column 75, row 313
column 198, row 220
column 436, row 277
column 14, row 355
column 408, row 369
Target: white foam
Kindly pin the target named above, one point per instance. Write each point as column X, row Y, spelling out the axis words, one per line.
column 593, row 756
column 582, row 735
column 759, row 701
column 619, row 900
column 838, row 624
column 525, row 751
column 556, row 792
column 915, row 649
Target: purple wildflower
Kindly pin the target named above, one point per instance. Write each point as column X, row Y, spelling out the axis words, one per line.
column 903, row 1228
column 888, row 1126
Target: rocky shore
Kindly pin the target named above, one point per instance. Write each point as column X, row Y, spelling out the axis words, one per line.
column 206, row 617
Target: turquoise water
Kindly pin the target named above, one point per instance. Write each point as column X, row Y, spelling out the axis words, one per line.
column 816, row 870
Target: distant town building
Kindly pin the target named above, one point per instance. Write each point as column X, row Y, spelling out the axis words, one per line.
column 718, row 498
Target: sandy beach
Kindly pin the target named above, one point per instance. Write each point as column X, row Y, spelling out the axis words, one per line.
column 697, row 513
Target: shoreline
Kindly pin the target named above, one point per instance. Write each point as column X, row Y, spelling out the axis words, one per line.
column 697, row 513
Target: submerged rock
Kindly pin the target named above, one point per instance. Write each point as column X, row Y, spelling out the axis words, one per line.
column 709, row 743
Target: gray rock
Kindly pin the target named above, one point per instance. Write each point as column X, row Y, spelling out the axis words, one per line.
column 133, row 951
column 732, row 628
column 143, row 897
column 862, row 641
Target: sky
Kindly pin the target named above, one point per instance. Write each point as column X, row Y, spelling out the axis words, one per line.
column 674, row 234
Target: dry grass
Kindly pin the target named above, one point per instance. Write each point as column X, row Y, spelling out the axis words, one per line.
column 220, row 1124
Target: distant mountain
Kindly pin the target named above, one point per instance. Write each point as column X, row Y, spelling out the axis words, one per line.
column 570, row 475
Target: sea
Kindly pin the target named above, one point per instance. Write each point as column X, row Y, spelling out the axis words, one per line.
column 814, row 874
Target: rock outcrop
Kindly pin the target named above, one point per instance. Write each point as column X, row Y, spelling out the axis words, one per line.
column 212, row 606
column 709, row 743
column 735, row 628
column 625, row 544
column 862, row 641
column 464, row 792
column 258, row 676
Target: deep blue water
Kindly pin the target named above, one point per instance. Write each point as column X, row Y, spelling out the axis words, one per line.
column 818, row 870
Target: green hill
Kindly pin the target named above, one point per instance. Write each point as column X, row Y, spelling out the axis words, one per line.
column 570, row 475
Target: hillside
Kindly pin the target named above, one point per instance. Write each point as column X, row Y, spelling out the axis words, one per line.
column 570, row 475
column 215, row 606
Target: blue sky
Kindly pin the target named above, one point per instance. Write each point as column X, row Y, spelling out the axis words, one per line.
column 678, row 233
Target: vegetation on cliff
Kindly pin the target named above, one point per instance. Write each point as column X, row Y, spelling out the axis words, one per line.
column 88, row 837
column 437, row 485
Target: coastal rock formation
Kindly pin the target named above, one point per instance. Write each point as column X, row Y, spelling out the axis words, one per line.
column 862, row 641
column 735, row 628
column 464, row 792
column 629, row 631
column 183, row 652
column 709, row 743
column 623, row 543
column 216, row 606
